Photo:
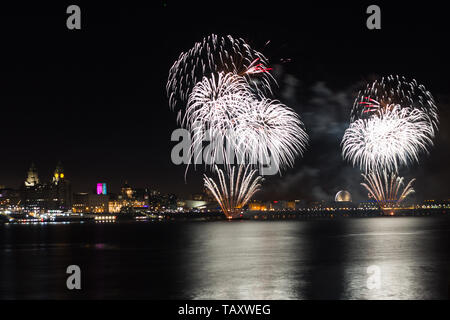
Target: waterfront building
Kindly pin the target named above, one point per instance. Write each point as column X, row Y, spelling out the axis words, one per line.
column 60, row 191
column 37, row 197
column 9, row 200
column 90, row 203
column 32, row 178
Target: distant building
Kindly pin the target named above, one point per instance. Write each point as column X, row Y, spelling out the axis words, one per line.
column 130, row 200
column 275, row 205
column 256, row 205
column 32, row 179
column 9, row 199
column 60, row 191
column 126, row 191
column 343, row 196
column 40, row 197
column 369, row 205
column 90, row 203
column 101, row 188
column 192, row 204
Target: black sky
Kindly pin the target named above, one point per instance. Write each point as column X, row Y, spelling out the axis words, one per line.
column 95, row 98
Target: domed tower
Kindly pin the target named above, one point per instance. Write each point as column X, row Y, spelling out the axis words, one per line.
column 32, row 178
column 343, row 196
column 58, row 175
column 60, row 192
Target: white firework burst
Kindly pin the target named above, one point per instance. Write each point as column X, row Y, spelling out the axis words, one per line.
column 391, row 138
column 213, row 55
column 270, row 132
column 395, row 90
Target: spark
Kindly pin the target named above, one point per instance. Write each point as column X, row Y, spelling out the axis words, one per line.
column 224, row 110
column 388, row 140
column 269, row 130
column 386, row 188
column 213, row 55
column 233, row 195
column 395, row 90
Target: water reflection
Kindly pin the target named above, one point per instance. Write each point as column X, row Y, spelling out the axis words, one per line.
column 244, row 260
column 412, row 258
column 317, row 259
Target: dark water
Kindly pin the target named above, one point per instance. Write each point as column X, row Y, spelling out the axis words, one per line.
column 322, row 259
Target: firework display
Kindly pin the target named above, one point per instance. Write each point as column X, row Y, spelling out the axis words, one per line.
column 268, row 131
column 387, row 188
column 235, row 193
column 395, row 91
column 393, row 122
column 214, row 55
column 220, row 88
column 390, row 139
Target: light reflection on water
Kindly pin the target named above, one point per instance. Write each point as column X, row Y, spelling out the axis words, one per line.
column 317, row 259
column 244, row 260
column 320, row 259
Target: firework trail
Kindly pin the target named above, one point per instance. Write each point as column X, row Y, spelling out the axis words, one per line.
column 214, row 55
column 386, row 188
column 395, row 91
column 233, row 195
column 390, row 139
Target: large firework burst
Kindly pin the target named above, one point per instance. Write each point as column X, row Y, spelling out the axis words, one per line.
column 214, row 55
column 233, row 195
column 212, row 113
column 386, row 188
column 270, row 132
column 395, row 90
column 223, row 110
column 387, row 140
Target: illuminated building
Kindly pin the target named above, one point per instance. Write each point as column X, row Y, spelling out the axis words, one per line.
column 33, row 194
column 90, row 203
column 126, row 191
column 10, row 199
column 101, row 188
column 39, row 197
column 80, row 202
column 275, row 205
column 60, row 192
column 370, row 204
column 192, row 204
column 114, row 206
column 58, row 175
column 130, row 200
column 257, row 206
column 32, row 179
column 343, row 196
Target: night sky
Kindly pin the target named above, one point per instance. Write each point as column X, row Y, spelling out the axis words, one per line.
column 95, row 98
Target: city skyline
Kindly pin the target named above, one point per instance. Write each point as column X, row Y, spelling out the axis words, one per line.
column 104, row 112
column 102, row 187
